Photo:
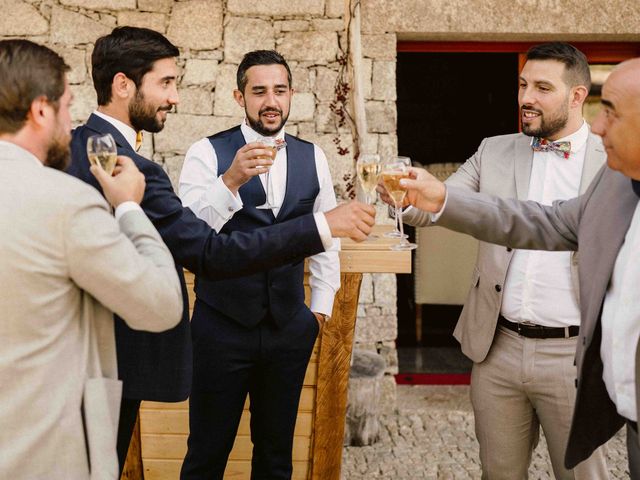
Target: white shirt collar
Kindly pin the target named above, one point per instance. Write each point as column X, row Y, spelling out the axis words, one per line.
column 578, row 138
column 250, row 135
column 19, row 151
column 127, row 132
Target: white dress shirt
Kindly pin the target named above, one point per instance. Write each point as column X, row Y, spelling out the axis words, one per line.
column 538, row 287
column 621, row 324
column 203, row 191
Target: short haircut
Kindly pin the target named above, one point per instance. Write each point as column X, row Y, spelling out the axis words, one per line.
column 576, row 65
column 259, row 57
column 28, row 71
column 129, row 50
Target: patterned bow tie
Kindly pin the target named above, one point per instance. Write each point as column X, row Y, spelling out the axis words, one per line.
column 543, row 145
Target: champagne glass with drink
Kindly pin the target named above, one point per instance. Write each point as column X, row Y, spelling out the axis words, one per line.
column 102, row 151
column 393, row 171
column 368, row 168
column 270, row 144
column 395, row 233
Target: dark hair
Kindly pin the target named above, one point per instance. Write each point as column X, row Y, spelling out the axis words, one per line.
column 259, row 57
column 129, row 50
column 28, row 71
column 576, row 65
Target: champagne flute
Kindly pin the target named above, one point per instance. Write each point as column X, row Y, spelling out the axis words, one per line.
column 395, row 233
column 368, row 168
column 271, row 144
column 394, row 171
column 102, row 151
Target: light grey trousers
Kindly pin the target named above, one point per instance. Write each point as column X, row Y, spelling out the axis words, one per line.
column 525, row 383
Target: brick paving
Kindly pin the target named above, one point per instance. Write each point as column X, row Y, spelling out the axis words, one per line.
column 431, row 436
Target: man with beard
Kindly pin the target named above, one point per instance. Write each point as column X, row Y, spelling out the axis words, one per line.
column 134, row 73
column 254, row 335
column 65, row 264
column 520, row 322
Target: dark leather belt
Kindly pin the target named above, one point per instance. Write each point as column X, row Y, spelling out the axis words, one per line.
column 538, row 331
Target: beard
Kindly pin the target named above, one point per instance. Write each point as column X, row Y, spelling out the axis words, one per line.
column 548, row 126
column 259, row 127
column 59, row 153
column 142, row 114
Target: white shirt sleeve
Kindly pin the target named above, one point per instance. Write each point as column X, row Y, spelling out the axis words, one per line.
column 202, row 190
column 324, row 267
column 436, row 216
column 125, row 207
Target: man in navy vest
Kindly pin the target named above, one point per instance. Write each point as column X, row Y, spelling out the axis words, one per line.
column 134, row 73
column 254, row 335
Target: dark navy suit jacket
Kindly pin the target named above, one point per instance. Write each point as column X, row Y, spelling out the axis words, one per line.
column 158, row 366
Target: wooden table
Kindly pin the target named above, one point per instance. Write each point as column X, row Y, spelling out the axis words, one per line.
column 158, row 451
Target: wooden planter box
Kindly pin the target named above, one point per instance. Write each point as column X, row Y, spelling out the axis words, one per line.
column 161, row 444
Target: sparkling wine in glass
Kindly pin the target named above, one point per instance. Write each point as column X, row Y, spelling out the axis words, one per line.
column 102, row 151
column 269, row 143
column 369, row 168
column 392, row 172
column 395, row 233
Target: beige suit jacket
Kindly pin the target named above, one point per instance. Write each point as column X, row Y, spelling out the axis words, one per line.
column 595, row 223
column 65, row 264
column 501, row 167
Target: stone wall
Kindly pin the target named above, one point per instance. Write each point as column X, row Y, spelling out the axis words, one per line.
column 212, row 36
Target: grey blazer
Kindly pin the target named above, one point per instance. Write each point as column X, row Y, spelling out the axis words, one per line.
column 65, row 264
column 501, row 167
column 596, row 224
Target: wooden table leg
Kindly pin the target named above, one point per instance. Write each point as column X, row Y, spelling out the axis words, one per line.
column 334, row 364
column 133, row 465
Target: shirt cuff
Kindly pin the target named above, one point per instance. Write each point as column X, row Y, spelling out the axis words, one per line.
column 436, row 216
column 225, row 203
column 323, row 230
column 322, row 301
column 125, row 207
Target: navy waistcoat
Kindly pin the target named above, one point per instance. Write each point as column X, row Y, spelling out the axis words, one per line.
column 278, row 291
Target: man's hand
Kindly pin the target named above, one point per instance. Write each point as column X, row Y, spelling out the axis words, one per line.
column 126, row 185
column 353, row 220
column 251, row 160
column 384, row 196
column 424, row 191
column 320, row 318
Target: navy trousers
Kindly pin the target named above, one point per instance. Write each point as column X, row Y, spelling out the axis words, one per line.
column 230, row 361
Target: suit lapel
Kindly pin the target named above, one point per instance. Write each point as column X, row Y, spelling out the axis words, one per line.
column 523, row 162
column 593, row 161
column 99, row 125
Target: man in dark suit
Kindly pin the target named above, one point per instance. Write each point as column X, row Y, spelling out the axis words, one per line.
column 604, row 224
column 134, row 72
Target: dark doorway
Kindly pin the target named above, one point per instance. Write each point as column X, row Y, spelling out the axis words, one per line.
column 447, row 103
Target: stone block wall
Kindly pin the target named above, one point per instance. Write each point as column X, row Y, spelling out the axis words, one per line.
column 212, row 36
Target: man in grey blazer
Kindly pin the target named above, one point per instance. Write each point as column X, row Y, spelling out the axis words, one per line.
column 65, row 264
column 604, row 225
column 520, row 321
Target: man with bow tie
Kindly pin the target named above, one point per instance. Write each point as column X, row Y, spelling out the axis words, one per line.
column 521, row 319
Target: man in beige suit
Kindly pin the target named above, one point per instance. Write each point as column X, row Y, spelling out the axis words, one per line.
column 65, row 264
column 520, row 321
column 604, row 225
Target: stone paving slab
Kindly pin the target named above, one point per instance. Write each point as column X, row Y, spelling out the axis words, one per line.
column 431, row 436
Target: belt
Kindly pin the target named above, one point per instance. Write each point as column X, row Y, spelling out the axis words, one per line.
column 538, row 331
